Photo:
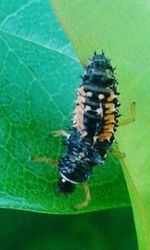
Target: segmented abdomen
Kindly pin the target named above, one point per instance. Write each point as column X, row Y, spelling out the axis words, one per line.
column 96, row 114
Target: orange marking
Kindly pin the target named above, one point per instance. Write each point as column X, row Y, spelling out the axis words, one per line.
column 110, row 109
column 108, row 126
column 110, row 105
column 80, row 100
column 110, row 122
column 79, row 111
column 81, row 91
column 78, row 118
column 111, row 97
column 109, row 119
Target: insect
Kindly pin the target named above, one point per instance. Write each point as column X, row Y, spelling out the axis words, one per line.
column 94, row 124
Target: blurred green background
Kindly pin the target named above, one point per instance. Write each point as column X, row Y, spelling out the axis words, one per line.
column 110, row 230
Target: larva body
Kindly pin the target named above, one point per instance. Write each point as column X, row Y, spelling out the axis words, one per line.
column 94, row 124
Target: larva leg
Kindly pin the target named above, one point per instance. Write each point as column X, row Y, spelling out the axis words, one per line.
column 116, row 153
column 87, row 197
column 45, row 160
column 132, row 115
column 58, row 133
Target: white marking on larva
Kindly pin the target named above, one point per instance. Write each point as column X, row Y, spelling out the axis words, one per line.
column 66, row 179
column 108, row 71
column 84, row 134
column 79, row 109
column 89, row 94
column 101, row 96
column 81, row 154
column 87, row 108
column 95, row 138
column 99, row 111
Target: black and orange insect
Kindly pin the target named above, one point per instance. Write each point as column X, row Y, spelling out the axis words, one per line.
column 94, row 125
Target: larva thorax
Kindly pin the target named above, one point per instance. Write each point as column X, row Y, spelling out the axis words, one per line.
column 99, row 71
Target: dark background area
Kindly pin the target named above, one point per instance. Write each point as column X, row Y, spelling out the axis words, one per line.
column 107, row 230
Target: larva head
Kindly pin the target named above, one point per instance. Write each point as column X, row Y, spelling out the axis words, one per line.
column 65, row 187
column 100, row 71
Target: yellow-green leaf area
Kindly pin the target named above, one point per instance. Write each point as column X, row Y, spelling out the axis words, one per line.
column 121, row 29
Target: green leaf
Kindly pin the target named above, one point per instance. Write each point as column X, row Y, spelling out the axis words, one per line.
column 39, row 73
column 99, row 230
column 121, row 29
